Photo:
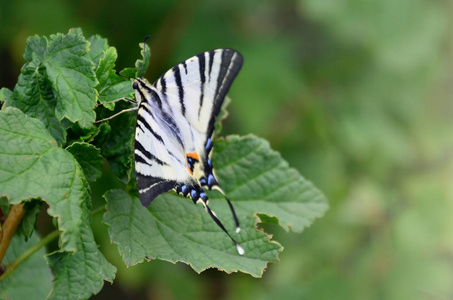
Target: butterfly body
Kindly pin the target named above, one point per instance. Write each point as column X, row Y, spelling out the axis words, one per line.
column 175, row 126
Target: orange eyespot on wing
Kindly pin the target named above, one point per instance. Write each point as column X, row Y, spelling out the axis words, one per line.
column 191, row 159
column 193, row 155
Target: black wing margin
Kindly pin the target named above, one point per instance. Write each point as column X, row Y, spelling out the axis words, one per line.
column 230, row 65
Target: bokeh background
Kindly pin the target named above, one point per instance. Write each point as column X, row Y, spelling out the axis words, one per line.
column 356, row 95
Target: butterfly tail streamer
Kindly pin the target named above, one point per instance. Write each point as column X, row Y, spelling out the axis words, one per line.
column 233, row 212
column 217, row 221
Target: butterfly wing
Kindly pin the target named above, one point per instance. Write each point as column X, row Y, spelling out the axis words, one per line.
column 195, row 91
column 157, row 163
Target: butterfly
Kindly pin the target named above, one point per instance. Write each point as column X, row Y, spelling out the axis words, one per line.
column 175, row 127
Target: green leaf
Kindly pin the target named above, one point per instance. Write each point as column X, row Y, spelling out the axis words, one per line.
column 77, row 133
column 33, row 94
column 89, row 158
column 114, row 91
column 32, row 166
column 35, row 49
column 117, row 149
column 143, row 64
column 98, row 46
column 258, row 180
column 105, row 69
column 111, row 86
column 129, row 72
column 174, row 229
column 4, row 205
column 73, row 78
column 28, row 223
column 79, row 275
column 32, row 279
column 102, row 135
column 5, row 94
column 223, row 114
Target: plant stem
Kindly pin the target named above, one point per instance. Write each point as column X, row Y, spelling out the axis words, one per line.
column 98, row 210
column 12, row 221
column 10, row 268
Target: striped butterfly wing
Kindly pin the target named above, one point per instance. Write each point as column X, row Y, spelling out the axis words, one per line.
column 175, row 124
column 195, row 90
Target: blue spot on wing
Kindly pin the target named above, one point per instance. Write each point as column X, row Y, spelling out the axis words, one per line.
column 194, row 194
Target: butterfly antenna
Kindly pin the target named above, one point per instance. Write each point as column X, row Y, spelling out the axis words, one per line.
column 214, row 217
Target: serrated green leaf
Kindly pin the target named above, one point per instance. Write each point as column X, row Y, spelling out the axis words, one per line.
column 28, row 223
column 105, row 69
column 75, row 30
column 258, row 180
column 33, row 95
column 117, row 149
column 77, row 133
column 4, row 205
column 223, row 114
column 5, row 94
column 35, row 49
column 174, row 229
column 129, row 72
column 73, row 78
column 89, row 158
column 32, row 279
column 102, row 135
column 114, row 91
column 79, row 275
column 111, row 86
column 143, row 64
column 32, row 166
column 97, row 47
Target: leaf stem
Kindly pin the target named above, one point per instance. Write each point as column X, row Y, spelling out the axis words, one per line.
column 12, row 221
column 98, row 210
column 11, row 267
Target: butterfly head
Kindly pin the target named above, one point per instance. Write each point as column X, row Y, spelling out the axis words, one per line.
column 143, row 90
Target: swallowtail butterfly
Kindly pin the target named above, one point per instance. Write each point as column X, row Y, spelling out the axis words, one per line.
column 175, row 126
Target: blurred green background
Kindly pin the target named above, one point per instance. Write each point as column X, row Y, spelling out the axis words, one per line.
column 356, row 95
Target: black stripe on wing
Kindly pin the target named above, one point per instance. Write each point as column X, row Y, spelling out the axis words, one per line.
column 150, row 187
column 144, row 126
column 230, row 65
column 178, row 80
column 211, row 61
column 147, row 94
column 139, row 148
column 201, row 70
column 174, row 129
